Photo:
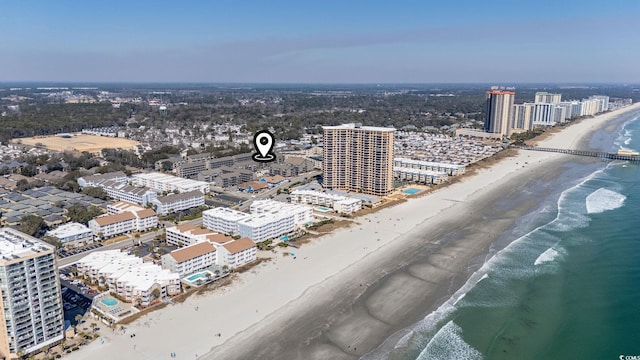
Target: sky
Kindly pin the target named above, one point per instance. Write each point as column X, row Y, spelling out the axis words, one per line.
column 368, row 41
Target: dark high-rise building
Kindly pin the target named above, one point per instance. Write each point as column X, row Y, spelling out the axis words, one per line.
column 499, row 110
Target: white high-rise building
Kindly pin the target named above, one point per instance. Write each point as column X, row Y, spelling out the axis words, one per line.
column 223, row 220
column 522, row 117
column 603, row 102
column 568, row 109
column 544, row 114
column 548, row 98
column 559, row 113
column 590, row 107
column 32, row 304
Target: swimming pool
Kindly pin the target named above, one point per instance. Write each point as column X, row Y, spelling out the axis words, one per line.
column 109, row 301
column 322, row 208
column 195, row 277
column 411, row 191
column 199, row 277
column 285, row 238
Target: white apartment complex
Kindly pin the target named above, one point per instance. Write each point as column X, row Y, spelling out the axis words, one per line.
column 185, row 235
column 449, row 169
column 190, row 259
column 237, row 253
column 115, row 185
column 204, row 254
column 223, row 220
column 266, row 226
column 339, row 203
column 268, row 219
column 29, row 285
column 129, row 276
column 97, row 179
column 164, row 182
column 71, row 234
column 122, row 191
column 302, row 214
column 419, row 175
column 177, row 202
column 123, row 217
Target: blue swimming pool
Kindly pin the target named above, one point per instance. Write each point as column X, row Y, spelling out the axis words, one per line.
column 322, row 208
column 200, row 275
column 285, row 238
column 109, row 301
column 411, row 191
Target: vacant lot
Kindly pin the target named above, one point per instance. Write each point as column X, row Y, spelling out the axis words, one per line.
column 79, row 142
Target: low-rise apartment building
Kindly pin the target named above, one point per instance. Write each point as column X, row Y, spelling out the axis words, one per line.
column 177, row 202
column 97, row 179
column 223, row 220
column 190, row 259
column 449, row 169
column 185, row 235
column 123, row 217
column 164, row 182
column 129, row 277
column 237, row 253
column 71, row 234
column 339, row 203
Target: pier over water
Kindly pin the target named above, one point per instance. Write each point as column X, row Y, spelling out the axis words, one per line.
column 595, row 154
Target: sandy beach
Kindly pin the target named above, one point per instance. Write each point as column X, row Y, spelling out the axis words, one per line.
column 348, row 291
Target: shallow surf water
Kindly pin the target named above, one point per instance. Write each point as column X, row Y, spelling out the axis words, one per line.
column 569, row 288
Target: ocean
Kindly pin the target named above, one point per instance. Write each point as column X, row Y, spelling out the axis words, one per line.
column 567, row 288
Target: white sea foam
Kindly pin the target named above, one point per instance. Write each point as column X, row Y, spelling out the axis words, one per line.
column 569, row 217
column 549, row 255
column 603, row 200
column 449, row 344
column 404, row 341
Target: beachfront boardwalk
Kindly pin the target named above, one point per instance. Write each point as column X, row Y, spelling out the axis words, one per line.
column 595, row 154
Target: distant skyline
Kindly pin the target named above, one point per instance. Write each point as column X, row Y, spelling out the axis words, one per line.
column 371, row 41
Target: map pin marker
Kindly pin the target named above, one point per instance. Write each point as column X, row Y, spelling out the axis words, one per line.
column 263, row 142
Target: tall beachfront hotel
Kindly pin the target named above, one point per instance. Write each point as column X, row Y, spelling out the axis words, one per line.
column 499, row 111
column 31, row 313
column 358, row 158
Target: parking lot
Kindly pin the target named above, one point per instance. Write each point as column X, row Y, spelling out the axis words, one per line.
column 65, row 253
column 76, row 297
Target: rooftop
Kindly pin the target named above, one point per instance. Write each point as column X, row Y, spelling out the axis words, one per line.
column 69, row 229
column 192, row 251
column 239, row 245
column 353, row 126
column 112, row 219
column 15, row 245
column 225, row 214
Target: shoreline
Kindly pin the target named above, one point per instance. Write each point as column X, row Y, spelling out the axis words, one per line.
column 339, row 293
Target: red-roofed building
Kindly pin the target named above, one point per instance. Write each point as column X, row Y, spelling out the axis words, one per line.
column 124, row 217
